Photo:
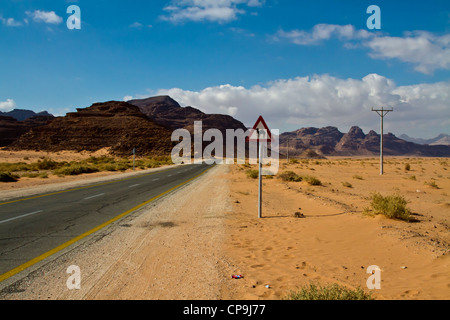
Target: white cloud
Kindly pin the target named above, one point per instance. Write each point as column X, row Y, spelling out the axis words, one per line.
column 321, row 32
column 220, row 11
column 10, row 22
column 127, row 98
column 136, row 25
column 7, row 105
column 49, row 17
column 425, row 51
column 323, row 100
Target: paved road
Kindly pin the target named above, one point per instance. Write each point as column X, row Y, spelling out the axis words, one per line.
column 36, row 227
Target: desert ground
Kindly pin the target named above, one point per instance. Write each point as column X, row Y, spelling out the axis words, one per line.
column 188, row 244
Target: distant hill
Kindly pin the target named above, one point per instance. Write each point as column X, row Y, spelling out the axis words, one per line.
column 21, row 114
column 116, row 125
column 442, row 139
column 330, row 141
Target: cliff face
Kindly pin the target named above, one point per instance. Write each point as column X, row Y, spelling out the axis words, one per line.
column 11, row 129
column 329, row 141
column 116, row 125
column 167, row 112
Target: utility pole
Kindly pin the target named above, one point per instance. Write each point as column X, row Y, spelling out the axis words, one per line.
column 288, row 150
column 382, row 113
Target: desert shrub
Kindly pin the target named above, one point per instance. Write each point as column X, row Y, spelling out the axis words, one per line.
column 358, row 177
column 253, row 174
column 43, row 175
column 293, row 161
column 432, row 184
column 413, row 178
column 8, row 177
column 330, row 292
column 47, row 164
column 14, row 167
column 290, row 176
column 30, row 175
column 347, row 184
column 108, row 167
column 313, row 181
column 393, row 206
column 75, row 169
column 407, row 167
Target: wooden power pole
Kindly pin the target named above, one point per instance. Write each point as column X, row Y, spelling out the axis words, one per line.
column 382, row 113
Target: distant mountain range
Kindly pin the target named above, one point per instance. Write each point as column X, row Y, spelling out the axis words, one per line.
column 147, row 125
column 21, row 114
column 442, row 139
column 330, row 141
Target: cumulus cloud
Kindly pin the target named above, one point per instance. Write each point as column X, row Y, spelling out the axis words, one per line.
column 220, row 11
column 323, row 100
column 49, row 17
column 7, row 105
column 321, row 32
column 427, row 52
column 10, row 22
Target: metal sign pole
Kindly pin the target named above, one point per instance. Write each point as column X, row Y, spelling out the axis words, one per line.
column 260, row 181
column 134, row 156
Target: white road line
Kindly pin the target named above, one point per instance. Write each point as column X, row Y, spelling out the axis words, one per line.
column 134, row 185
column 155, row 179
column 97, row 195
column 22, row 216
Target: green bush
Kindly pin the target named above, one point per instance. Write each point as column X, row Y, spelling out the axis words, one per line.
column 330, row 292
column 253, row 174
column 8, row 177
column 47, row 164
column 432, row 184
column 312, row 181
column 290, row 176
column 393, row 206
column 75, row 169
column 347, row 184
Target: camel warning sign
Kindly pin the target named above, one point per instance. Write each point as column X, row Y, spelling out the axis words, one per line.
column 260, row 131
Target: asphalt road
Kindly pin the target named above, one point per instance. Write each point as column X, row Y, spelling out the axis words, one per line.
column 33, row 228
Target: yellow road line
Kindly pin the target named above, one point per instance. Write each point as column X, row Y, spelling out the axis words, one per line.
column 32, row 262
column 85, row 187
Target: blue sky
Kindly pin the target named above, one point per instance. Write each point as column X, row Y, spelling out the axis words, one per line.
column 298, row 63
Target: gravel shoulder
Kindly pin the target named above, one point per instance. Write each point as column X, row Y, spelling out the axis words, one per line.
column 171, row 249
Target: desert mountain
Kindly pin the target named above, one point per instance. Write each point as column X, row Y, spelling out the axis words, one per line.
column 11, row 129
column 116, row 125
column 167, row 112
column 442, row 139
column 21, row 114
column 330, row 141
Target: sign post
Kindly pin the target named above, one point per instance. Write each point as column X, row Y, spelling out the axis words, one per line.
column 134, row 156
column 260, row 133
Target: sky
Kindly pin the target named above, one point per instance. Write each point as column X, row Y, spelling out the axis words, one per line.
column 296, row 63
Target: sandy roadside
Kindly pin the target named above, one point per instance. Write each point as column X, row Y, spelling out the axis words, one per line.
column 335, row 242
column 172, row 249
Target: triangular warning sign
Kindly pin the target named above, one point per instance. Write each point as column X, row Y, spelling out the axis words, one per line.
column 260, row 131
